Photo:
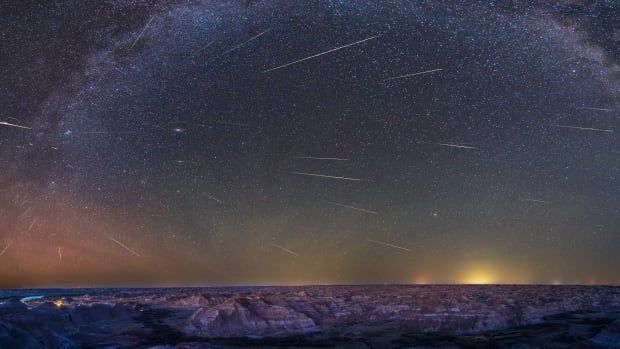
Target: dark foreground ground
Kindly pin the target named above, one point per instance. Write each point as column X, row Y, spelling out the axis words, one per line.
column 395, row 316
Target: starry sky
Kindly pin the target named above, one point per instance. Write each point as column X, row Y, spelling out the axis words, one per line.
column 300, row 142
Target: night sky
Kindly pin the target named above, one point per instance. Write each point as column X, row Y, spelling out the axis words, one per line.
column 283, row 142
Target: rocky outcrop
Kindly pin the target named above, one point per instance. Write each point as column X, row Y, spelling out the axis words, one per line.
column 100, row 312
column 12, row 337
column 247, row 316
column 609, row 337
column 35, row 332
column 201, row 300
column 282, row 316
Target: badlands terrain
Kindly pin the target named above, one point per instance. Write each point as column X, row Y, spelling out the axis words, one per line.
column 391, row 316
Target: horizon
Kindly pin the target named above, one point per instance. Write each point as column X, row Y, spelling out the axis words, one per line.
column 164, row 286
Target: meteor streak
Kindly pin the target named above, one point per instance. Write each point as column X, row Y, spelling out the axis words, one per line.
column 539, row 201
column 32, row 224
column 286, row 250
column 325, row 176
column 317, row 158
column 26, row 212
column 13, row 125
column 599, row 109
column 213, row 198
column 202, row 48
column 142, row 32
column 230, row 123
column 121, row 245
column 389, row 245
column 584, row 128
column 412, row 74
column 68, row 164
column 6, row 247
column 354, row 208
column 456, row 146
column 222, row 122
column 320, row 54
column 237, row 46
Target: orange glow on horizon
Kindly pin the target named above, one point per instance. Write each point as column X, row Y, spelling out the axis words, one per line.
column 479, row 275
column 421, row 280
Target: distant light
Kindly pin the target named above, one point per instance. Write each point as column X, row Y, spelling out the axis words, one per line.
column 58, row 303
column 421, row 280
column 479, row 280
column 479, row 275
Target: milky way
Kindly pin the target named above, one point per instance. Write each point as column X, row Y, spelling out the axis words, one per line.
column 206, row 142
